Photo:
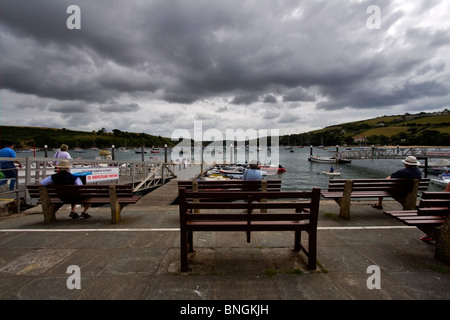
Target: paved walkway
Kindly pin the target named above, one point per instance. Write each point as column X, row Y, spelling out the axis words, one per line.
column 138, row 258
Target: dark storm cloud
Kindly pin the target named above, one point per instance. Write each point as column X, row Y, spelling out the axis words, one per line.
column 298, row 94
column 119, row 107
column 250, row 51
column 269, row 99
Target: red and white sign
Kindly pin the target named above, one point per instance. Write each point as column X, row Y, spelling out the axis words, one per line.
column 98, row 174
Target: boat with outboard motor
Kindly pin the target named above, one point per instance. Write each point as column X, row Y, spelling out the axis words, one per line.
column 442, row 180
column 329, row 173
column 320, row 159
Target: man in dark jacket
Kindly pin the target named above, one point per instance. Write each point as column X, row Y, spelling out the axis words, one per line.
column 64, row 177
column 410, row 171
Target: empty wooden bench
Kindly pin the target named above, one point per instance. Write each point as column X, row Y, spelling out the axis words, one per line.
column 232, row 184
column 54, row 197
column 237, row 211
column 404, row 191
column 431, row 217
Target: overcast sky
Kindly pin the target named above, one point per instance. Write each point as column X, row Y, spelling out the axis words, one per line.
column 156, row 66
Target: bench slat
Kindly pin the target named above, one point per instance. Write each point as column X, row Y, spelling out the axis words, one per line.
column 86, row 194
column 219, row 218
column 401, row 190
column 412, row 222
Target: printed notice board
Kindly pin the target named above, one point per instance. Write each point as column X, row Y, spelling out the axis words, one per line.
column 98, row 174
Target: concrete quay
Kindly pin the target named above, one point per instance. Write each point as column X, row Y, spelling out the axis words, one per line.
column 139, row 258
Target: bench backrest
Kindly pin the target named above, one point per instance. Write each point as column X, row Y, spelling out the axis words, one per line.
column 216, row 202
column 434, row 203
column 378, row 184
column 74, row 193
column 232, row 184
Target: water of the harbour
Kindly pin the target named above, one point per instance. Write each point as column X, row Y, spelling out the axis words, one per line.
column 300, row 174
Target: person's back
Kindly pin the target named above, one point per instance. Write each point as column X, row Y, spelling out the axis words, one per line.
column 253, row 173
column 64, row 178
column 408, row 172
column 62, row 153
column 8, row 167
column 7, row 152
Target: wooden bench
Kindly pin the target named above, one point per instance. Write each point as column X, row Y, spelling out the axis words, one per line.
column 234, row 211
column 404, row 191
column 232, row 184
column 54, row 197
column 431, row 217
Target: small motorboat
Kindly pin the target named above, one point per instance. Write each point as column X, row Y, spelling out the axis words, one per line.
column 335, row 173
column 442, row 180
column 320, row 159
column 272, row 169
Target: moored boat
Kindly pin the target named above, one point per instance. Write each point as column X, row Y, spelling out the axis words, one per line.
column 272, row 169
column 335, row 173
column 442, row 180
column 320, row 159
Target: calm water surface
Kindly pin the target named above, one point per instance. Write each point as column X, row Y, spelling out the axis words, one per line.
column 300, row 174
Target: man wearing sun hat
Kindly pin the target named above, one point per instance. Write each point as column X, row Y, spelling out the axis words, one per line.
column 410, row 171
column 253, row 173
column 64, row 177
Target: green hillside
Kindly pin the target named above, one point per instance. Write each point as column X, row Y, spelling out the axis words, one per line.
column 431, row 129
column 27, row 137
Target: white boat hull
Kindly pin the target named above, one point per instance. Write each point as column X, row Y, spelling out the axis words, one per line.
column 442, row 181
column 322, row 159
column 331, row 173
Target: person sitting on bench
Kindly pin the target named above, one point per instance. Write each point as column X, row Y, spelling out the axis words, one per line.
column 64, row 177
column 253, row 173
column 410, row 171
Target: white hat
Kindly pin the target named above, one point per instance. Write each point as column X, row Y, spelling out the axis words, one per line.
column 411, row 161
column 63, row 164
column 253, row 164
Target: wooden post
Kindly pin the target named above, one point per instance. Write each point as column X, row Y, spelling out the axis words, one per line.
column 312, row 234
column 263, row 189
column 442, row 251
column 195, row 189
column 115, row 206
column 48, row 209
column 410, row 200
column 344, row 202
column 183, row 233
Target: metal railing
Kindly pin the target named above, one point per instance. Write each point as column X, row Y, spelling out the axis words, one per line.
column 393, row 152
column 141, row 175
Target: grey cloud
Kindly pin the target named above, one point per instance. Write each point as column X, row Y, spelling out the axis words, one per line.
column 269, row 99
column 271, row 114
column 119, row 107
column 298, row 94
column 222, row 109
column 68, row 107
column 245, row 99
column 187, row 52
